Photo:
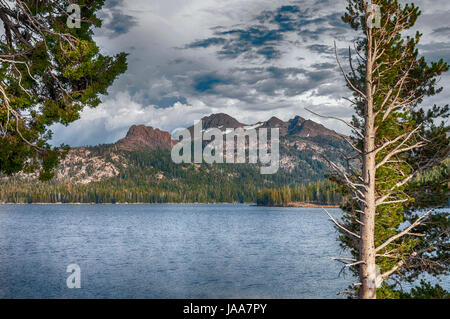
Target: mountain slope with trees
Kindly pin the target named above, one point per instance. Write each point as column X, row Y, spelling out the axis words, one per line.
column 138, row 168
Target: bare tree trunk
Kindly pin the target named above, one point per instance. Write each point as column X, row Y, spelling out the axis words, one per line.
column 367, row 243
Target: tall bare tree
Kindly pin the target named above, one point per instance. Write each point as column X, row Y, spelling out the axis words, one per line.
column 395, row 141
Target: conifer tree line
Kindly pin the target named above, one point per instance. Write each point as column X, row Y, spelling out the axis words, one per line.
column 137, row 182
column 120, row 191
column 320, row 193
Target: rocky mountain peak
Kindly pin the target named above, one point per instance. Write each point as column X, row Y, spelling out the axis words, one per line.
column 141, row 137
column 275, row 122
column 220, row 120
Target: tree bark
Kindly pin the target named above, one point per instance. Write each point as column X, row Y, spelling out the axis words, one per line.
column 368, row 274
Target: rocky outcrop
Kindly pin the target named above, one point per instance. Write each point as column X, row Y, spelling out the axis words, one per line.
column 145, row 138
column 220, row 120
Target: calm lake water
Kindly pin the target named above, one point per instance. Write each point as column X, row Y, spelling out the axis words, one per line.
column 168, row 251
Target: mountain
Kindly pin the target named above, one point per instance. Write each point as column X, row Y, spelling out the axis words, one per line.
column 220, row 120
column 138, row 168
column 146, row 138
column 297, row 126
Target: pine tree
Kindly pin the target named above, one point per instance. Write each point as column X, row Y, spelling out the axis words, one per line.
column 394, row 140
column 50, row 69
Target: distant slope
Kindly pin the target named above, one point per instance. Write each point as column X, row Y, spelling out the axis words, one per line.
column 138, row 168
column 145, row 138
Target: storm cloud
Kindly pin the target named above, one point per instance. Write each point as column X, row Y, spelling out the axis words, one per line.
column 252, row 59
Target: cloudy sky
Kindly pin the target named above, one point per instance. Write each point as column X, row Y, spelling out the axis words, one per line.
column 252, row 59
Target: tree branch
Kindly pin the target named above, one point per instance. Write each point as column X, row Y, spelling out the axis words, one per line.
column 345, row 75
column 340, row 226
column 339, row 119
column 404, row 232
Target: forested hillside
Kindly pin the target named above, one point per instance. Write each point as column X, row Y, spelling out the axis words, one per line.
column 139, row 169
column 133, row 170
column 318, row 193
column 154, row 178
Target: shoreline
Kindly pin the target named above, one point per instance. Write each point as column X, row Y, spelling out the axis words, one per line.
column 126, row 203
column 290, row 205
column 302, row 205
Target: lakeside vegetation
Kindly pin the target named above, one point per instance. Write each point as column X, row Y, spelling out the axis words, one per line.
column 112, row 192
column 324, row 193
column 154, row 178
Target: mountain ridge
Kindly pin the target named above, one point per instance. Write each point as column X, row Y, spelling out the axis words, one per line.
column 303, row 146
column 148, row 138
column 296, row 126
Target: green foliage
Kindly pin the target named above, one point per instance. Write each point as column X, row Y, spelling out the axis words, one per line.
column 138, row 182
column 408, row 141
column 428, row 291
column 424, row 291
column 320, row 193
column 49, row 73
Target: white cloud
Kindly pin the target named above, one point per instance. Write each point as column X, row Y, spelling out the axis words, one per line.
column 161, row 72
column 110, row 121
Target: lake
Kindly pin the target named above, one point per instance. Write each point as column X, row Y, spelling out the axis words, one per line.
column 169, row 251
